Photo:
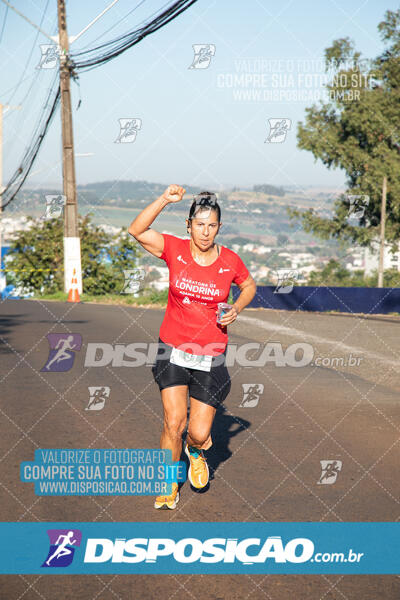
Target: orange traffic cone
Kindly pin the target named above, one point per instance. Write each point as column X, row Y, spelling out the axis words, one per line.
column 73, row 295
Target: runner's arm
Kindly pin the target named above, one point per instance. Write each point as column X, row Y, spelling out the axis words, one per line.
column 248, row 290
column 151, row 240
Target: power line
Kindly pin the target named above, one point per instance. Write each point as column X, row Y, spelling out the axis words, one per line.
column 109, row 50
column 115, row 24
column 18, row 178
column 24, row 114
column 20, row 122
column 30, row 55
column 14, row 86
column 4, row 24
column 26, row 18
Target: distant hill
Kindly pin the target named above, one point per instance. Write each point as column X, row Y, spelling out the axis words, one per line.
column 128, row 190
column 127, row 194
column 261, row 212
column 266, row 188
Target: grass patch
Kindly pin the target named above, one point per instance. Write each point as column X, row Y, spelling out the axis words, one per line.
column 145, row 298
column 152, row 297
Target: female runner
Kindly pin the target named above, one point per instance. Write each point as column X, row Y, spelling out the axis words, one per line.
column 192, row 345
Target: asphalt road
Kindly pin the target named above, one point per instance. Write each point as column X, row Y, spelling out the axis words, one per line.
column 327, row 409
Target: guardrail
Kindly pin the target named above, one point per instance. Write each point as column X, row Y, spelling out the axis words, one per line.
column 322, row 299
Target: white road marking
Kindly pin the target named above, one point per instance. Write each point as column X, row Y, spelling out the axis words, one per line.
column 318, row 339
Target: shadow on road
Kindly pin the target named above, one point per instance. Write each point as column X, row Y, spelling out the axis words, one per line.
column 225, row 427
column 7, row 324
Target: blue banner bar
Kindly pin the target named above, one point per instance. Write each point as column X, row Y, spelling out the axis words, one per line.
column 218, row 548
column 322, row 299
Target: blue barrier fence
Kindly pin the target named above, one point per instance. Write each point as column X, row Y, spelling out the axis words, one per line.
column 342, row 299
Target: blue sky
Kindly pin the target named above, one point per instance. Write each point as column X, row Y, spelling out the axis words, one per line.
column 194, row 129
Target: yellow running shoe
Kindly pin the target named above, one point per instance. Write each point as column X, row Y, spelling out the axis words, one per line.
column 168, row 502
column 198, row 469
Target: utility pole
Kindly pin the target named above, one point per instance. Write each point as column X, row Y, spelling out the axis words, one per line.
column 382, row 245
column 72, row 244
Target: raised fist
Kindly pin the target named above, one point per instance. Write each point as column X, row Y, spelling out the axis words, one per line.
column 174, row 193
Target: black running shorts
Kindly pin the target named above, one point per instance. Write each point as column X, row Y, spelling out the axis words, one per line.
column 210, row 387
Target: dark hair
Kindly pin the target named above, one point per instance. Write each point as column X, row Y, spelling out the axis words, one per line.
column 206, row 199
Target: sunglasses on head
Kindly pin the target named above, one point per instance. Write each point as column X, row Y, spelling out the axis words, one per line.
column 210, row 200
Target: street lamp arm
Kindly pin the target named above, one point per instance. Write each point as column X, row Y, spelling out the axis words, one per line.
column 73, row 38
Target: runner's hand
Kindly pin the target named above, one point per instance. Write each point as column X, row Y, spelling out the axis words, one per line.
column 229, row 316
column 174, row 193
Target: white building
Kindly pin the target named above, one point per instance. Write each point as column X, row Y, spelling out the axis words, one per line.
column 355, row 259
column 371, row 258
column 163, row 282
column 110, row 229
column 262, row 272
column 301, row 259
column 12, row 225
column 261, row 250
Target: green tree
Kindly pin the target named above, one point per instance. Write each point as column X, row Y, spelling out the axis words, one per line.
column 357, row 130
column 334, row 274
column 282, row 239
column 36, row 258
column 266, row 188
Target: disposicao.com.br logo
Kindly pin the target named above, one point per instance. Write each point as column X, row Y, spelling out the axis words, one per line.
column 190, row 550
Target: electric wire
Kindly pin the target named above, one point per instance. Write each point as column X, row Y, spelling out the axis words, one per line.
column 4, row 24
column 86, row 60
column 21, row 173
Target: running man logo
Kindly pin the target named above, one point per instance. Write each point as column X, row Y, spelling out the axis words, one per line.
column 50, row 56
column 132, row 281
column 357, row 206
column 181, row 259
column 97, row 397
column 278, row 129
column 128, row 129
column 62, row 547
column 62, row 351
column 54, row 206
column 330, row 470
column 286, row 279
column 221, row 270
column 202, row 55
column 251, row 394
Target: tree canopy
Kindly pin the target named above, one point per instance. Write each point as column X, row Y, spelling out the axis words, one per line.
column 357, row 130
column 36, row 257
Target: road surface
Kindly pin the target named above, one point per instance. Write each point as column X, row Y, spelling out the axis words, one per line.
column 332, row 408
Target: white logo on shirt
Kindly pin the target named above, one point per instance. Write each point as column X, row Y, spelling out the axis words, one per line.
column 222, row 270
column 186, row 300
column 181, row 259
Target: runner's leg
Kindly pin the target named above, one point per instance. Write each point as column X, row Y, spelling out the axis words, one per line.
column 174, row 401
column 201, row 418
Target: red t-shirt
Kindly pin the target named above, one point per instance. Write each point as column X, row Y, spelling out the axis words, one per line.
column 194, row 293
